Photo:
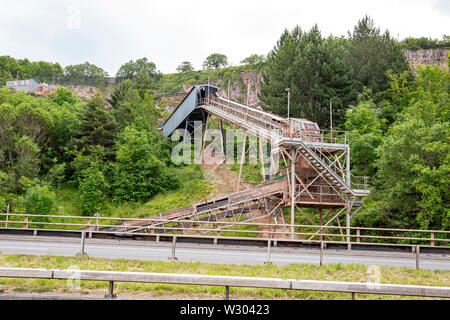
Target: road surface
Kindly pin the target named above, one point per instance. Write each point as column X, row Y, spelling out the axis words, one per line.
column 150, row 250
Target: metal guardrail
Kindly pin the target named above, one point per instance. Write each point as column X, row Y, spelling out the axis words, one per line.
column 275, row 231
column 227, row 282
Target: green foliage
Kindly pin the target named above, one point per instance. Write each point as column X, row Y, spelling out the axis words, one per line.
column 140, row 170
column 371, row 55
column 132, row 69
column 92, row 187
column 215, row 61
column 97, row 127
column 254, row 59
column 39, row 200
column 414, row 169
column 83, row 74
column 56, row 174
column 412, row 160
column 426, row 43
column 314, row 70
column 129, row 106
column 41, row 71
column 365, row 135
column 64, row 96
column 221, row 77
column 185, row 66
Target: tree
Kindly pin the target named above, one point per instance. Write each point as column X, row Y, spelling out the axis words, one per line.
column 8, row 69
column 92, row 186
column 141, row 166
column 413, row 162
column 185, row 66
column 314, row 70
column 365, row 135
column 254, row 59
column 131, row 70
column 97, row 127
column 83, row 74
column 215, row 61
column 39, row 200
column 371, row 55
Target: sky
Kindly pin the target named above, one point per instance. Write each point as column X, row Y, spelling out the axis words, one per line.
column 167, row 32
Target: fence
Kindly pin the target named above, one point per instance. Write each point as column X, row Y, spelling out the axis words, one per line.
column 227, row 282
column 206, row 227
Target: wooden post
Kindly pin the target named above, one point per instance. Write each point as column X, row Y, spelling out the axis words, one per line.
column 174, row 241
column 358, row 235
column 432, row 237
column 25, row 225
column 321, row 253
column 268, row 252
column 7, row 211
column 89, row 227
column 417, row 257
column 83, row 237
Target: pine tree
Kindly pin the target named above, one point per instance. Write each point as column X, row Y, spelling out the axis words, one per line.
column 371, row 55
column 97, row 127
column 313, row 69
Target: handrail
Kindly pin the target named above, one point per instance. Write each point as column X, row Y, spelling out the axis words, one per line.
column 268, row 230
column 224, row 222
column 226, row 281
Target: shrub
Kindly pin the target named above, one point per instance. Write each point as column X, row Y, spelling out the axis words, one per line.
column 39, row 200
column 92, row 186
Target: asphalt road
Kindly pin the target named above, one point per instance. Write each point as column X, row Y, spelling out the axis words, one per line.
column 150, row 250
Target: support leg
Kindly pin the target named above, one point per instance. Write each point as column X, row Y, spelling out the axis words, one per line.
column 242, row 162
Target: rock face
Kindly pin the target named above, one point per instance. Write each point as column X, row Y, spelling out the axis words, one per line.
column 249, row 82
column 427, row 56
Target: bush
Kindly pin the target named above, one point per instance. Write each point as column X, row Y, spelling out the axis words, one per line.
column 92, row 186
column 39, row 200
column 141, row 169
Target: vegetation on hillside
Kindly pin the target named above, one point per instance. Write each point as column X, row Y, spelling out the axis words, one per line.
column 426, row 43
column 109, row 154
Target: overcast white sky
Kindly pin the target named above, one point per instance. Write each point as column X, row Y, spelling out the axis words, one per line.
column 167, row 32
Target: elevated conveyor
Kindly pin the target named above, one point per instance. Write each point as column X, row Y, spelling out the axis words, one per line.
column 316, row 173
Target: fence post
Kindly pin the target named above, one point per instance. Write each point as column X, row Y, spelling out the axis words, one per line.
column 227, row 293
column 89, row 227
column 111, row 294
column 432, row 237
column 174, row 241
column 7, row 215
column 417, row 256
column 358, row 235
column 82, row 253
column 321, row 253
column 25, row 222
column 268, row 252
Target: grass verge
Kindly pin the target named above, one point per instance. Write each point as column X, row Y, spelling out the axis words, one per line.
column 332, row 272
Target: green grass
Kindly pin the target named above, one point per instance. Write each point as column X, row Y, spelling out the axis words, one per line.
column 335, row 272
